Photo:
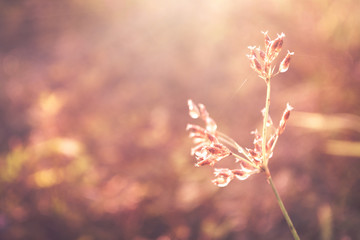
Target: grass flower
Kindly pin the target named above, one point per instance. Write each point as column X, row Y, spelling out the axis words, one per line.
column 211, row 145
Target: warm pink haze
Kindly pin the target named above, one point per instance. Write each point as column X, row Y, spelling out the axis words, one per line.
column 93, row 113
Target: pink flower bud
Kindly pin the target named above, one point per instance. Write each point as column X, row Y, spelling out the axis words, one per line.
column 275, row 47
column 267, row 38
column 254, row 64
column 200, row 111
column 261, row 53
column 219, row 150
column 285, row 63
column 240, row 174
column 196, row 131
column 210, row 125
column 197, row 149
column 204, row 162
column 271, row 142
column 210, row 154
column 252, row 51
column 284, row 118
column 203, row 112
column 193, row 109
column 212, row 138
column 223, row 177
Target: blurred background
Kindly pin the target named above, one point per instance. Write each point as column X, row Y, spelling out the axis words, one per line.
column 93, row 113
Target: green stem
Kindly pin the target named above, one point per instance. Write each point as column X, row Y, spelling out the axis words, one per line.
column 283, row 209
column 266, row 116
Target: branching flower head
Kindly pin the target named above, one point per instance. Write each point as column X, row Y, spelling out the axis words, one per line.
column 208, row 149
column 262, row 61
column 211, row 146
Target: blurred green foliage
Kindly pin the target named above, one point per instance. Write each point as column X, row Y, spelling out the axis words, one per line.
column 93, row 114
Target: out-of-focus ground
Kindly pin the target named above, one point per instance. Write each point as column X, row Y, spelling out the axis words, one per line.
column 93, row 114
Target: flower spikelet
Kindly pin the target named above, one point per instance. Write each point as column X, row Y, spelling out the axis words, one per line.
column 210, row 154
column 223, row 176
column 284, row 118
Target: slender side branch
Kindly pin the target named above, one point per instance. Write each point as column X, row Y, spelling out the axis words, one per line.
column 226, row 139
column 230, row 140
column 246, row 160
